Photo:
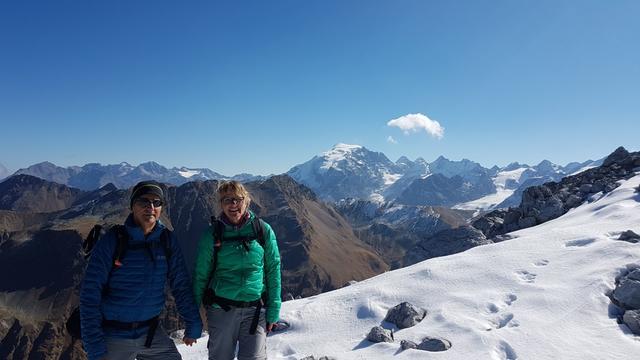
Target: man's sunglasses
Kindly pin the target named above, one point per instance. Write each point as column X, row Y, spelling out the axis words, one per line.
column 148, row 202
column 232, row 200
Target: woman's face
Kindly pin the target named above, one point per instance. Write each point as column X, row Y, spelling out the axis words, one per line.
column 234, row 206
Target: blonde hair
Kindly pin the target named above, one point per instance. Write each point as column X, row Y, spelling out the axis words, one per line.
column 234, row 187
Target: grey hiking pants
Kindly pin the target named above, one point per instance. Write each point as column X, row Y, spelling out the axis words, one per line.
column 228, row 328
column 162, row 348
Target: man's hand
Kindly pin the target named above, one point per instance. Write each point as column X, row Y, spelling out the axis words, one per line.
column 270, row 327
column 189, row 341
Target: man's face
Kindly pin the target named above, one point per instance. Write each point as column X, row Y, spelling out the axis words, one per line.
column 233, row 206
column 146, row 210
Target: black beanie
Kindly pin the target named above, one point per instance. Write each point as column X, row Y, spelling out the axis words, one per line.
column 146, row 187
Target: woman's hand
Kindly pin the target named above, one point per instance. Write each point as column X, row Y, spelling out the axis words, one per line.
column 189, row 341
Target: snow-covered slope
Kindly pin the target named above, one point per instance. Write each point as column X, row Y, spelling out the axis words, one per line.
column 506, row 181
column 538, row 296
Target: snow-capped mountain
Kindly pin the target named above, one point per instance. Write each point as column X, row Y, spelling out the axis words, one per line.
column 93, row 176
column 353, row 171
column 541, row 295
column 347, row 171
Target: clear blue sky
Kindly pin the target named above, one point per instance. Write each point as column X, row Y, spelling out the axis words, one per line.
column 260, row 86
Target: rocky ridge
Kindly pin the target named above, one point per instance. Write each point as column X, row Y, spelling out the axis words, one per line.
column 539, row 204
column 548, row 201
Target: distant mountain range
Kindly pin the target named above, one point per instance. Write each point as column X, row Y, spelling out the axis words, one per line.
column 350, row 171
column 353, row 171
column 123, row 175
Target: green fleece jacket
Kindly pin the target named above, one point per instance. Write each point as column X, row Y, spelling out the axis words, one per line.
column 239, row 274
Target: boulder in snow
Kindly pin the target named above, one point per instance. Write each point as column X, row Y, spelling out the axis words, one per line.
column 627, row 293
column 629, row 236
column 434, row 344
column 379, row 334
column 405, row 315
column 408, row 344
column 632, row 319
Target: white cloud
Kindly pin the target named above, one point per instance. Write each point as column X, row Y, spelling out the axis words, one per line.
column 416, row 122
column 391, row 140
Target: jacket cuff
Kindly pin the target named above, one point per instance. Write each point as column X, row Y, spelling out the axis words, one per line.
column 193, row 332
column 271, row 317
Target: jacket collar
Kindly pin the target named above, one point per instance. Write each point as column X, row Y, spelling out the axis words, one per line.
column 136, row 233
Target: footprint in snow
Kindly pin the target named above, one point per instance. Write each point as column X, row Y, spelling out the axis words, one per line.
column 510, row 299
column 498, row 319
column 504, row 351
column 543, row 262
column 504, row 320
column 526, row 276
column 492, row 308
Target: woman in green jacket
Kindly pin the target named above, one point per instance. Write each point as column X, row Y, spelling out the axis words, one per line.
column 237, row 277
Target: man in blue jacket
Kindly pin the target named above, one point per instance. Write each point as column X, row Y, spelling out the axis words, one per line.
column 122, row 297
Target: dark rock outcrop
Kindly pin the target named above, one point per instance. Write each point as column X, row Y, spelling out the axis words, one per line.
column 553, row 199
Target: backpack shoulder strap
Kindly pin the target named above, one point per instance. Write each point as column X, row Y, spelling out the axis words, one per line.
column 122, row 243
column 218, row 234
column 90, row 241
column 165, row 242
column 258, row 230
column 218, row 231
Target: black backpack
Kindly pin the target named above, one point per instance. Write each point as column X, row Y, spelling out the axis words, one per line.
column 122, row 246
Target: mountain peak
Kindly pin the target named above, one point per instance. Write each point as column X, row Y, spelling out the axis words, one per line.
column 547, row 166
column 345, row 147
column 403, row 160
column 150, row 164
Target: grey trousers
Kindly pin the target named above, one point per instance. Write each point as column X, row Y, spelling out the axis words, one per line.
column 228, row 328
column 161, row 348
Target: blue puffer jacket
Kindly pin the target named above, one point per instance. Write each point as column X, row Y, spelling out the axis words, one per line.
column 135, row 289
